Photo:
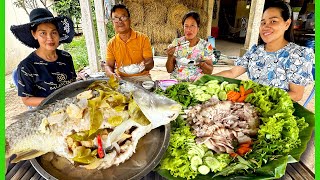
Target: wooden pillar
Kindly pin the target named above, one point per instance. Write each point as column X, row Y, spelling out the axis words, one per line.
column 102, row 32
column 210, row 10
column 89, row 34
column 252, row 36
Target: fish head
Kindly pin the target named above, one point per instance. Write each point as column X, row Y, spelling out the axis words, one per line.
column 159, row 110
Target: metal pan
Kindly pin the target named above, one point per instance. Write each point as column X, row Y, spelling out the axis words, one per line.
column 150, row 149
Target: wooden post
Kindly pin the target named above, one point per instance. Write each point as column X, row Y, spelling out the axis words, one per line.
column 89, row 34
column 102, row 32
column 210, row 10
column 252, row 36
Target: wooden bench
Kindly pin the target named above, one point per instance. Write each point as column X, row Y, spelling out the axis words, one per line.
column 25, row 171
column 298, row 171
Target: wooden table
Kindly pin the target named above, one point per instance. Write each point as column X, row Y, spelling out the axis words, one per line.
column 25, row 171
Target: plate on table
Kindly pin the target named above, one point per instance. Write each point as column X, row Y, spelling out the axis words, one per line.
column 132, row 69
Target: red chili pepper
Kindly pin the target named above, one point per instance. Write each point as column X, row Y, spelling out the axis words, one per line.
column 100, row 149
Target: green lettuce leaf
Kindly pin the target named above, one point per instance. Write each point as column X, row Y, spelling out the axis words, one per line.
column 276, row 166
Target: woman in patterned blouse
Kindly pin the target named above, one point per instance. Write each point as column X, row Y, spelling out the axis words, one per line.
column 278, row 61
column 189, row 57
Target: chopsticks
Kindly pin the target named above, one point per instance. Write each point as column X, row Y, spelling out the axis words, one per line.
column 180, row 44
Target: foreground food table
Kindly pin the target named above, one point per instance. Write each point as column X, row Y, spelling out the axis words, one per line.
column 25, row 171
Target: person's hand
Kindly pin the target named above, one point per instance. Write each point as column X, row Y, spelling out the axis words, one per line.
column 206, row 66
column 115, row 75
column 83, row 74
column 143, row 66
column 108, row 70
column 103, row 65
column 170, row 50
column 202, row 64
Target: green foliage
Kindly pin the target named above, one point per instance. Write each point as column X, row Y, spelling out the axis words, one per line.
column 180, row 93
column 70, row 8
column 78, row 50
column 110, row 30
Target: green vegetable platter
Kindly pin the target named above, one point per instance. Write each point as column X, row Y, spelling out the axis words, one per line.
column 278, row 135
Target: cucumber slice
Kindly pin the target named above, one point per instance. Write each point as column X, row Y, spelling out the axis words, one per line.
column 223, row 84
column 212, row 162
column 195, row 162
column 203, row 88
column 199, row 149
column 194, row 167
column 203, row 169
column 192, row 153
column 222, row 95
column 212, row 82
column 208, row 154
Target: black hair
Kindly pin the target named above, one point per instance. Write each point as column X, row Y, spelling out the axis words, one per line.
column 34, row 27
column 192, row 14
column 119, row 6
column 286, row 14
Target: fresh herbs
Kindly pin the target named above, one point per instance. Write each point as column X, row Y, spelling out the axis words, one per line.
column 179, row 93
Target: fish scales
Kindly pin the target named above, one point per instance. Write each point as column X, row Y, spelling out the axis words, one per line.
column 31, row 135
column 27, row 124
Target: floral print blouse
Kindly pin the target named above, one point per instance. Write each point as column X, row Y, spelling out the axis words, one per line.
column 291, row 64
column 187, row 58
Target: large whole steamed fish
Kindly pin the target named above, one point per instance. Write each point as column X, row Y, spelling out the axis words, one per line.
column 96, row 129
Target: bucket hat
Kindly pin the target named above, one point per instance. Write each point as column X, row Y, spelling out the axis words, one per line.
column 41, row 15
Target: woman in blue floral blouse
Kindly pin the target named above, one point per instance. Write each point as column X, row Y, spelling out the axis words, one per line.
column 189, row 57
column 278, row 62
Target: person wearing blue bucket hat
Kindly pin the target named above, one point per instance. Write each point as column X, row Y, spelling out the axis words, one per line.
column 277, row 61
column 47, row 68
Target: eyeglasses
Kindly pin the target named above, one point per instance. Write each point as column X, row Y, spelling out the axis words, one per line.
column 190, row 27
column 117, row 19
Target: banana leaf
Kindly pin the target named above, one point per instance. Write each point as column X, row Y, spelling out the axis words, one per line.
column 274, row 169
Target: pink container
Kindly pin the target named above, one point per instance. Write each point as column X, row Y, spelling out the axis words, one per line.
column 163, row 84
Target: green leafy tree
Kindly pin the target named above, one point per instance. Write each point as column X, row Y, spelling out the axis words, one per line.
column 70, row 8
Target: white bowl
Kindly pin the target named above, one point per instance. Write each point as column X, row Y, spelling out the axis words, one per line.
column 131, row 69
column 148, row 84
